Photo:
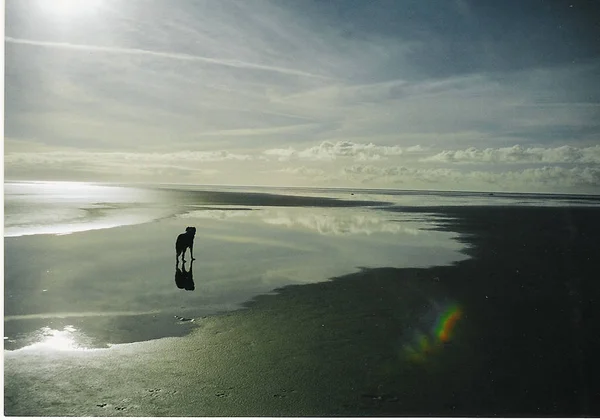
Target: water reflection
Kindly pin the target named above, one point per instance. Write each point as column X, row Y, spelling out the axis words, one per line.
column 323, row 220
column 66, row 207
column 184, row 279
column 67, row 339
column 339, row 221
column 245, row 253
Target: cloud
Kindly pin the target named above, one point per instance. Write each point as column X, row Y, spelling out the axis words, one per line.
column 519, row 154
column 189, row 79
column 328, row 164
column 304, row 171
column 184, row 165
column 259, row 131
column 396, row 174
column 327, row 151
column 529, row 179
column 68, row 157
column 521, row 107
column 158, row 54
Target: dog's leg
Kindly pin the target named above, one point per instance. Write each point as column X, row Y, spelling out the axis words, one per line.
column 183, row 255
column 192, row 252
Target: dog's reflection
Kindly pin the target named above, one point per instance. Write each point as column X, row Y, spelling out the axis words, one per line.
column 184, row 279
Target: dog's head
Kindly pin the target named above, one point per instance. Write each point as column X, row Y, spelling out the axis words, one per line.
column 190, row 230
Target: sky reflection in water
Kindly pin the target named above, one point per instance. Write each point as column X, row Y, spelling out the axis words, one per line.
column 47, row 339
column 241, row 251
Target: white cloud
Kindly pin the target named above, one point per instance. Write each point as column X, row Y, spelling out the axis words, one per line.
column 327, row 151
column 282, row 154
column 184, row 165
column 519, row 154
column 280, row 130
column 530, row 179
column 69, row 157
column 328, row 164
column 415, row 149
column 160, row 54
column 396, row 174
column 304, row 171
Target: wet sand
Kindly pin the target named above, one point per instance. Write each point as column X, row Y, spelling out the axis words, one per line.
column 524, row 341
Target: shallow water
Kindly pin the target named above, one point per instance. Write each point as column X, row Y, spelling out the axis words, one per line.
column 91, row 265
column 65, row 207
column 72, row 283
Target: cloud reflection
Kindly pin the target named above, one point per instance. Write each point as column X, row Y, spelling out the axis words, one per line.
column 216, row 213
column 340, row 222
column 325, row 221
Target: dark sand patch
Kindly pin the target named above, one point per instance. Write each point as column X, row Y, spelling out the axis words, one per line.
column 526, row 343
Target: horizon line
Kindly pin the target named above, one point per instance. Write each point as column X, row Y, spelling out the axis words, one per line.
column 138, row 183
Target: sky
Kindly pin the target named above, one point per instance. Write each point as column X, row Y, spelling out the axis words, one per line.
column 477, row 95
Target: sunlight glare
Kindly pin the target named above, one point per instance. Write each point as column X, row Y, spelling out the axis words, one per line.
column 69, row 8
column 57, row 340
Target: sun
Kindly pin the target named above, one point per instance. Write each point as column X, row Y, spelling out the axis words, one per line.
column 68, row 8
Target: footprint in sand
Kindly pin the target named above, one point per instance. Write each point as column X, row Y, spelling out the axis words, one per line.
column 155, row 392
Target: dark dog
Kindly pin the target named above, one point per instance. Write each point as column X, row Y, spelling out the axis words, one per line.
column 185, row 241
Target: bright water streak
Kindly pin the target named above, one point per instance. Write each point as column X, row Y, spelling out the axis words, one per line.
column 65, row 207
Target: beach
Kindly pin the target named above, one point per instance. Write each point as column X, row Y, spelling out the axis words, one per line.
column 503, row 323
column 360, row 208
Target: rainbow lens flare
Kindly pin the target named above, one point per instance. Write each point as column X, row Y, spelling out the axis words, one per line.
column 446, row 323
column 424, row 344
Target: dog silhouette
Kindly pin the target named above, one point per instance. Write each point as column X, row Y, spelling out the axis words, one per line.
column 185, row 241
